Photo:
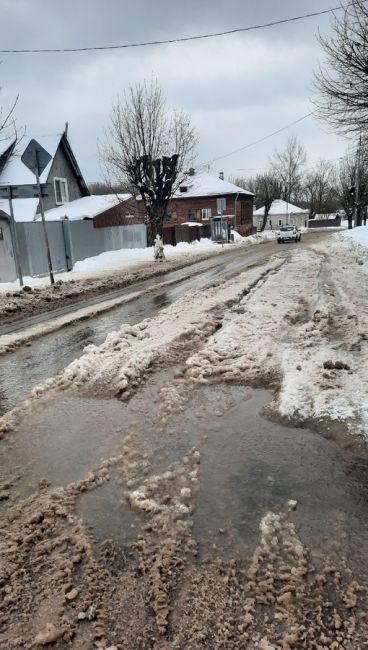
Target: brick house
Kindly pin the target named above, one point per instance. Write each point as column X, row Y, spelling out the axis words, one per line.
column 203, row 195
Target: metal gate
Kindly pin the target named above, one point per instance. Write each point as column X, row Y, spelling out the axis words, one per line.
column 7, row 264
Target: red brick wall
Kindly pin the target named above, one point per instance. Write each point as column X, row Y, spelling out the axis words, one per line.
column 118, row 215
column 180, row 209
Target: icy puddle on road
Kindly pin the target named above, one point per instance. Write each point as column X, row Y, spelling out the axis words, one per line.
column 249, row 465
column 147, row 530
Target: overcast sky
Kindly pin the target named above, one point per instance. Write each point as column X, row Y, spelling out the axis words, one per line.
column 236, row 88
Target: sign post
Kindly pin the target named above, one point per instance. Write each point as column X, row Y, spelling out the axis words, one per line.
column 36, row 158
column 220, row 213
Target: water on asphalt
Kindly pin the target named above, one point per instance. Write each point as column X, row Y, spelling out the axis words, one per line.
column 29, row 366
column 249, row 466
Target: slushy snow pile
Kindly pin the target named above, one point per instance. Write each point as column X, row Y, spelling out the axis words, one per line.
column 298, row 325
column 113, row 259
column 128, row 258
column 357, row 235
column 123, row 259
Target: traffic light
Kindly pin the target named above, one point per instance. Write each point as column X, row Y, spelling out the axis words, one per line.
column 352, row 191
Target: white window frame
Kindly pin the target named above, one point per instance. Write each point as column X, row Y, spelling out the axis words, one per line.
column 63, row 190
column 206, row 214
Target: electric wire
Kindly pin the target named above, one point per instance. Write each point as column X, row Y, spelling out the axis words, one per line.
column 183, row 39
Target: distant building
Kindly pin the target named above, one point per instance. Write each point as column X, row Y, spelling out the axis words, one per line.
column 202, row 196
column 281, row 213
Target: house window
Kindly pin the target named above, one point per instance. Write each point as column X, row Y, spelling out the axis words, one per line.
column 61, row 191
column 1, row 234
column 206, row 214
column 221, row 205
column 192, row 214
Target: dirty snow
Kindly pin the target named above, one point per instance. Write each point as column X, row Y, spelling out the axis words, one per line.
column 124, row 259
column 298, row 325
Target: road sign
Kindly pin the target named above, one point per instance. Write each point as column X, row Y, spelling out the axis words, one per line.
column 35, row 155
column 36, row 158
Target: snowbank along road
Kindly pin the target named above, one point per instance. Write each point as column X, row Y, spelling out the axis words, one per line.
column 199, row 479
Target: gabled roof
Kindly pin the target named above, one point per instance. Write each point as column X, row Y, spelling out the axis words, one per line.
column 280, row 207
column 85, row 208
column 14, row 172
column 205, row 184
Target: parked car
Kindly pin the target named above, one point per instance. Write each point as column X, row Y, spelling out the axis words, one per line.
column 288, row 233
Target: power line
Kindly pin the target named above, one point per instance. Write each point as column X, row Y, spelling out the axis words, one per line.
column 178, row 40
column 265, row 137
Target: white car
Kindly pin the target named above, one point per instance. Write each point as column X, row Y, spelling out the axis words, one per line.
column 288, row 233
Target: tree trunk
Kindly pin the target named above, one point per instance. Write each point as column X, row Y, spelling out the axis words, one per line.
column 358, row 216
column 264, row 221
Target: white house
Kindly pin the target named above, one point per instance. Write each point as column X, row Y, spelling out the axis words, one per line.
column 281, row 213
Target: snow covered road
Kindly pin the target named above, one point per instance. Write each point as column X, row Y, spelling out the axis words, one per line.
column 162, row 491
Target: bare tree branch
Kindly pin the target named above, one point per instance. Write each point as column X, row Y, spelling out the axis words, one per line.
column 287, row 166
column 318, row 189
column 149, row 148
column 341, row 85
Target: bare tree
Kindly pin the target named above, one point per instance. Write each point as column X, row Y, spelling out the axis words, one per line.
column 287, row 166
column 351, row 184
column 149, row 148
column 244, row 183
column 318, row 188
column 342, row 83
column 267, row 188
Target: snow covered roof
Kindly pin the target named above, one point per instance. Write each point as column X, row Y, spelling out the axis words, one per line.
column 24, row 209
column 281, row 207
column 85, row 208
column 205, row 184
column 16, row 173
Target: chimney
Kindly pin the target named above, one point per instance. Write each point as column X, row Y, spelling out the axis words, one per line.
column 221, row 175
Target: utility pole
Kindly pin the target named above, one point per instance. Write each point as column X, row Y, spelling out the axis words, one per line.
column 36, row 171
column 14, row 236
column 357, row 181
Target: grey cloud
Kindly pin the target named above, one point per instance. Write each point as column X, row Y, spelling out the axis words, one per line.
column 236, row 87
